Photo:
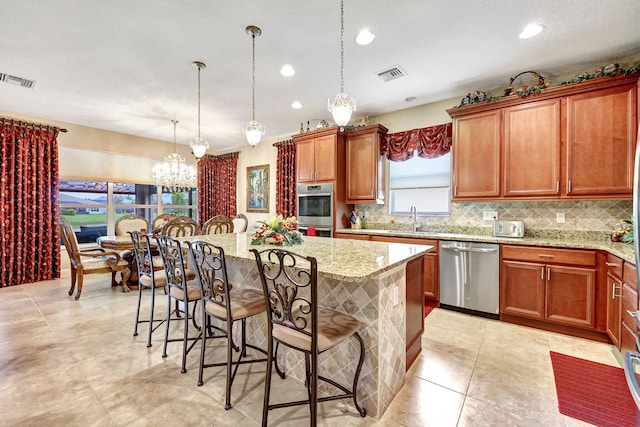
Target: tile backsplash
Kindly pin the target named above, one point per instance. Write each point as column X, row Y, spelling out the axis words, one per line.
column 598, row 216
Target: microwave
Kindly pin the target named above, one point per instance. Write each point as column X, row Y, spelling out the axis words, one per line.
column 315, row 205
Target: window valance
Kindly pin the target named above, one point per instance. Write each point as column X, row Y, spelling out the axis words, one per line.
column 429, row 142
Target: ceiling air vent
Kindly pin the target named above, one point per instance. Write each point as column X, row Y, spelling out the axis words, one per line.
column 392, row 73
column 17, row 81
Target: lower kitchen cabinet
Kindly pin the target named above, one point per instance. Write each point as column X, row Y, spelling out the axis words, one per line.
column 431, row 277
column 614, row 298
column 629, row 305
column 552, row 285
column 415, row 324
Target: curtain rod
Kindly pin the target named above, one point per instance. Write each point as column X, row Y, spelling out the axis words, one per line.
column 21, row 123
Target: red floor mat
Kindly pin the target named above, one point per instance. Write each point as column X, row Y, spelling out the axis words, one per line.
column 593, row 392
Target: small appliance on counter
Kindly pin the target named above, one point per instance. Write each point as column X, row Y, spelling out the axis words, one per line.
column 508, row 229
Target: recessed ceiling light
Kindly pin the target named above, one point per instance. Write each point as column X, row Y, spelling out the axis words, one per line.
column 410, row 98
column 531, row 30
column 296, row 105
column 287, row 70
column 365, row 37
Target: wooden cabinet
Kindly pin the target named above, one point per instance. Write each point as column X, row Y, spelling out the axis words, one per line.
column 365, row 175
column 614, row 300
column 536, row 283
column 430, row 273
column 601, row 135
column 574, row 141
column 415, row 307
column 317, row 155
column 629, row 305
column 532, row 149
column 476, row 155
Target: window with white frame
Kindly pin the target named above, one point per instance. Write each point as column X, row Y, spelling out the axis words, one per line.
column 423, row 183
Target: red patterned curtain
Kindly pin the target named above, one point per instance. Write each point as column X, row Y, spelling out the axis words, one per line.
column 430, row 142
column 217, row 177
column 29, row 237
column 286, row 178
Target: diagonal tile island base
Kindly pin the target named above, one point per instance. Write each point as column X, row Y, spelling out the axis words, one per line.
column 364, row 279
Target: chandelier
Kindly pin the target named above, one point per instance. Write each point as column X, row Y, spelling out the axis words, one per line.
column 253, row 130
column 199, row 145
column 173, row 174
column 343, row 106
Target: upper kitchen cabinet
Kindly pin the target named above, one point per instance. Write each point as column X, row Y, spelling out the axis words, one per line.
column 601, row 135
column 575, row 141
column 532, row 149
column 365, row 166
column 477, row 140
column 318, row 155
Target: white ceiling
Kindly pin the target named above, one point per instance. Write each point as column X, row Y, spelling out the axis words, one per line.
column 125, row 65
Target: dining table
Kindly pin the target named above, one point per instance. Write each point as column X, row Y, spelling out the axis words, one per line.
column 124, row 246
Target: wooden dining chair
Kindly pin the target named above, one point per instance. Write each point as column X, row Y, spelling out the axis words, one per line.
column 218, row 224
column 131, row 222
column 181, row 226
column 90, row 261
column 290, row 285
column 240, row 223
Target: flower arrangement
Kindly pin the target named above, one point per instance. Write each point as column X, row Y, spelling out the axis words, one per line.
column 278, row 231
column 623, row 231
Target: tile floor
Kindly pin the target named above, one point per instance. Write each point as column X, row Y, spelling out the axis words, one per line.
column 68, row 363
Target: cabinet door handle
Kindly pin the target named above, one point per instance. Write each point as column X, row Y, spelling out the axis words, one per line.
column 557, row 186
column 546, row 255
column 569, row 186
column 613, row 291
column 632, row 313
column 455, row 190
column 542, row 273
column 548, row 274
column 612, row 264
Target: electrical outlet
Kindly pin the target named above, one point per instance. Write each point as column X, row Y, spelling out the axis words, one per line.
column 394, row 296
column 366, row 214
column 560, row 218
column 489, row 216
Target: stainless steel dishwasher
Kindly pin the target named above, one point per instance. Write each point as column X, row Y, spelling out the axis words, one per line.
column 469, row 276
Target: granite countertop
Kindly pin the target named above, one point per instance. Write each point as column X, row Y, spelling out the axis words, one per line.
column 622, row 250
column 341, row 259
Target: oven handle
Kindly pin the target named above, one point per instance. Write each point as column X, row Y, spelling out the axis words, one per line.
column 314, row 194
column 629, row 373
column 306, row 227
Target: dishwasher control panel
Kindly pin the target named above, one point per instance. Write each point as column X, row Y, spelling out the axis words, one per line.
column 508, row 229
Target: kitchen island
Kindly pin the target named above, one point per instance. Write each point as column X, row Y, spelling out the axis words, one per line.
column 364, row 279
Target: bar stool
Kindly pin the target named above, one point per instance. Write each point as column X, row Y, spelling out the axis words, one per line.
column 289, row 282
column 181, row 290
column 227, row 303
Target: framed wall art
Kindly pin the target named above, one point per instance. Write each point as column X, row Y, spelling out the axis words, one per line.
column 258, row 188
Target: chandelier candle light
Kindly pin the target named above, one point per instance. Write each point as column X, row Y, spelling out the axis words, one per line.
column 253, row 129
column 344, row 105
column 173, row 174
column 199, row 145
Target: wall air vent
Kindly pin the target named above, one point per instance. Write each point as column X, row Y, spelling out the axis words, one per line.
column 17, row 81
column 392, row 73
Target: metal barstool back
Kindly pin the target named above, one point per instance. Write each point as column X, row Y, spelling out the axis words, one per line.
column 295, row 320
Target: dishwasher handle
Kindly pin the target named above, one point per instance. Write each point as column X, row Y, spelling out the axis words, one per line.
column 456, row 249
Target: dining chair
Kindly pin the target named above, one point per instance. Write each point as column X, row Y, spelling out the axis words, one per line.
column 90, row 261
column 181, row 226
column 218, row 224
column 295, row 320
column 151, row 275
column 180, row 289
column 240, row 223
column 227, row 303
column 160, row 221
column 131, row 222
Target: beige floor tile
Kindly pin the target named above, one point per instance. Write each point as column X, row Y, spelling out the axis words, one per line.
column 477, row 413
column 584, row 349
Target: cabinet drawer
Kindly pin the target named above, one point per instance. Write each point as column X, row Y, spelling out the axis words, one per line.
column 549, row 255
column 614, row 265
column 629, row 304
column 628, row 338
column 408, row 240
column 629, row 275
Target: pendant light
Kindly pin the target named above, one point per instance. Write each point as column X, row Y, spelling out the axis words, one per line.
column 173, row 174
column 253, row 130
column 199, row 145
column 343, row 106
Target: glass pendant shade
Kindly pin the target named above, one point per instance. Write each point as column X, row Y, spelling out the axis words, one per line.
column 341, row 108
column 253, row 131
column 199, row 146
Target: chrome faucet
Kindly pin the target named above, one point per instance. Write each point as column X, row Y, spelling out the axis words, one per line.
column 413, row 213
